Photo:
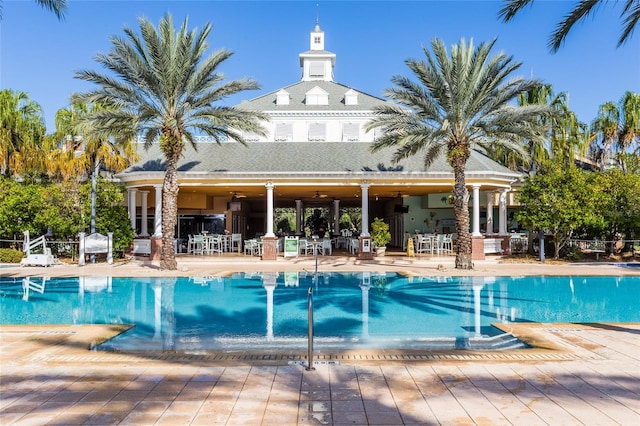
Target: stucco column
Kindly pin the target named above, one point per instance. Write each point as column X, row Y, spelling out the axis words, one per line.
column 143, row 212
column 490, row 213
column 298, row 217
column 270, row 187
column 132, row 208
column 336, row 217
column 269, row 241
column 364, row 187
column 157, row 221
column 476, row 211
column 502, row 215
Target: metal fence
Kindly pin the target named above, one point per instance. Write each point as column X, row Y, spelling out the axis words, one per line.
column 605, row 246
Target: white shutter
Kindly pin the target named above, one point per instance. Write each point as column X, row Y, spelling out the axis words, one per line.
column 350, row 132
column 317, row 131
column 284, row 132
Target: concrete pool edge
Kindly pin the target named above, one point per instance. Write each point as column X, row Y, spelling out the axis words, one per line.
column 68, row 344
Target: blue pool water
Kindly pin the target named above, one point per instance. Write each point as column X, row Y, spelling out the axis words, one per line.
column 350, row 309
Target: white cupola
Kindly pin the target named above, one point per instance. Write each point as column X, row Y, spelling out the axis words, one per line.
column 317, row 63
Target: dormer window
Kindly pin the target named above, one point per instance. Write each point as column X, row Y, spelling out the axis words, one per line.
column 282, row 97
column 316, row 96
column 351, row 97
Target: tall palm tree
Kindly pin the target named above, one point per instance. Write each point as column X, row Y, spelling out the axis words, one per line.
column 581, row 10
column 616, row 130
column 162, row 88
column 570, row 138
column 629, row 137
column 459, row 103
column 22, row 130
column 95, row 151
column 58, row 7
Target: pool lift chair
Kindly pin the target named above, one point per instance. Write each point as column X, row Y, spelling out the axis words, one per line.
column 36, row 259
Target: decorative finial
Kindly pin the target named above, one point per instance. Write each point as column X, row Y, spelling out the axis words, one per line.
column 317, row 13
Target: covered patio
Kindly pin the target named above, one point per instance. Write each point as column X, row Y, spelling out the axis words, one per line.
column 239, row 187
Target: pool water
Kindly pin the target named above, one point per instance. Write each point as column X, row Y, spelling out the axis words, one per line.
column 269, row 310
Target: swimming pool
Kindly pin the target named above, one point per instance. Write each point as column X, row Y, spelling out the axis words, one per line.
column 269, row 310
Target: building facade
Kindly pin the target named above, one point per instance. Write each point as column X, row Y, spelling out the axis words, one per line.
column 316, row 154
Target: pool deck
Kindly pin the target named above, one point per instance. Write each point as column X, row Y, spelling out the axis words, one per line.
column 578, row 374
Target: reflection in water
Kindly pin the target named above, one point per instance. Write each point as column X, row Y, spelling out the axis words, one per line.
column 350, row 309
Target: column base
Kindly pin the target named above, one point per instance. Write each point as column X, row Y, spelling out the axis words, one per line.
column 156, row 248
column 365, row 248
column 269, row 251
column 477, row 248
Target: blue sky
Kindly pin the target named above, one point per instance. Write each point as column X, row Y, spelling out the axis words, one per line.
column 372, row 39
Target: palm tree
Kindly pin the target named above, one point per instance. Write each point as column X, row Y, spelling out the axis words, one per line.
column 460, row 103
column 629, row 137
column 58, row 7
column 570, row 138
column 606, row 126
column 162, row 88
column 583, row 8
column 21, row 134
column 96, row 151
column 617, row 130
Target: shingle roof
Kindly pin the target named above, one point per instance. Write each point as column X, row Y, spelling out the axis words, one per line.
column 297, row 96
column 302, row 157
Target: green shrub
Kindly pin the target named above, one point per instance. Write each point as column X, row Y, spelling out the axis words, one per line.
column 10, row 255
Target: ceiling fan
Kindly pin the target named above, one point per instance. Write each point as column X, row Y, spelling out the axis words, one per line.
column 401, row 195
column 319, row 195
column 236, row 195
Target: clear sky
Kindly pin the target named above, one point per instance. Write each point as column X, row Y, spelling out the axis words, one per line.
column 371, row 40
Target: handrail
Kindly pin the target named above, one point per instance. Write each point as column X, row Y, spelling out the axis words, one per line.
column 310, row 366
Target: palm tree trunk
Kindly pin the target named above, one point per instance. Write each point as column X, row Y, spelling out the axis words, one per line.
column 461, row 210
column 169, row 214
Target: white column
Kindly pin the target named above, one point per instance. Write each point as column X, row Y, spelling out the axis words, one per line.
column 132, row 208
column 476, row 211
column 502, row 214
column 336, row 217
column 269, row 187
column 298, row 216
column 364, row 186
column 490, row 213
column 143, row 220
column 157, row 222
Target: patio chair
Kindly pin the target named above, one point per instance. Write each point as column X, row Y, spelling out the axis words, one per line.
column 326, row 246
column 304, row 247
column 198, row 244
column 236, row 242
column 215, row 244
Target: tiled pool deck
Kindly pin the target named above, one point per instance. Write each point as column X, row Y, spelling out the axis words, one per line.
column 580, row 374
